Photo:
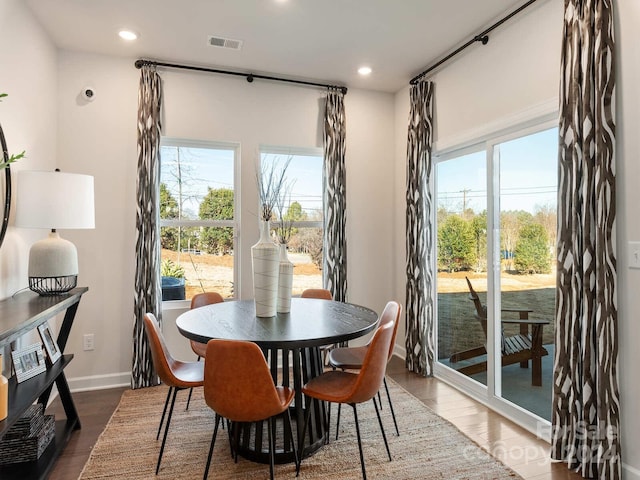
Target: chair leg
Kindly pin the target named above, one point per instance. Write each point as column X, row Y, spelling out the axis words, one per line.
column 338, row 421
column 191, row 392
column 272, row 446
column 296, row 456
column 301, row 439
column 236, row 440
column 384, row 436
column 328, row 424
column 166, row 429
column 230, row 429
column 355, row 415
column 164, row 411
column 393, row 414
column 213, row 441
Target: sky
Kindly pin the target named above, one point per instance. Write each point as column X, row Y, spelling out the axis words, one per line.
column 203, row 167
column 528, row 176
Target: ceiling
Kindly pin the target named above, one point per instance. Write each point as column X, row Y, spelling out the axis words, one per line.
column 318, row 40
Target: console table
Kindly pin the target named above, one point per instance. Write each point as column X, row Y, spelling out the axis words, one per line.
column 19, row 315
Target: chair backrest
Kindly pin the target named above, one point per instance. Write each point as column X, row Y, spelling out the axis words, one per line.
column 206, row 298
column 237, row 382
column 163, row 362
column 395, row 330
column 317, row 293
column 374, row 364
column 481, row 310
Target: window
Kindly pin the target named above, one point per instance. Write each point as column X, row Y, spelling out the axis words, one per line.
column 197, row 218
column 303, row 207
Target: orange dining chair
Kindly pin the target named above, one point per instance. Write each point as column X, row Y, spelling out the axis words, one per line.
column 351, row 358
column 338, row 386
column 238, row 387
column 322, row 294
column 200, row 349
column 177, row 375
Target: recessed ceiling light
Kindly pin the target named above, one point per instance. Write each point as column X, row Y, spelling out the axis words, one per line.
column 364, row 70
column 127, row 35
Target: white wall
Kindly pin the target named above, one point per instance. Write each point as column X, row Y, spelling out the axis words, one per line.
column 514, row 77
column 99, row 138
column 627, row 18
column 29, row 121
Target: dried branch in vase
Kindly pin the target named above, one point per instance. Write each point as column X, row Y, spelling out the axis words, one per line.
column 284, row 227
column 271, row 181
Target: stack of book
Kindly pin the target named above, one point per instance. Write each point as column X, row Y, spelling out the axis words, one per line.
column 29, row 437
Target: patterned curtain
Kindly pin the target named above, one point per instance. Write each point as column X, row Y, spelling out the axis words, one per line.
column 147, row 283
column 419, row 339
column 586, row 406
column 334, row 244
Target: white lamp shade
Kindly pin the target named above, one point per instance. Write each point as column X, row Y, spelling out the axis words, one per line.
column 54, row 200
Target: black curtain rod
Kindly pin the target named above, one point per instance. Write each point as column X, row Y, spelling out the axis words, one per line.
column 481, row 37
column 249, row 76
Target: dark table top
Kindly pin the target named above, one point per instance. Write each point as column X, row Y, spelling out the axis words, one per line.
column 310, row 323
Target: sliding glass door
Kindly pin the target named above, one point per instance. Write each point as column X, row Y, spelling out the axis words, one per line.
column 528, row 171
column 462, row 256
column 496, row 224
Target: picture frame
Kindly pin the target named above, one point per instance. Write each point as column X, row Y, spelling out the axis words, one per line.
column 50, row 345
column 28, row 362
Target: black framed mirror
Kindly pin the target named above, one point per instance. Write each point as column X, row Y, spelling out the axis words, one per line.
column 5, row 187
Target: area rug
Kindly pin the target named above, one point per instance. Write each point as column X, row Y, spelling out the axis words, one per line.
column 428, row 447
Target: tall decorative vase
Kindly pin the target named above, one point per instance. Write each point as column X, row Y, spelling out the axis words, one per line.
column 4, row 394
column 265, row 260
column 285, row 281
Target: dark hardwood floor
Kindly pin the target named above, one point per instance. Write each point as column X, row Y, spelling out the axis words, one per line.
column 516, row 447
column 94, row 409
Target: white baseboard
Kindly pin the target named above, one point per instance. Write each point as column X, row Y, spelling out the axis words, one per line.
column 399, row 351
column 99, row 382
column 630, row 473
column 95, row 382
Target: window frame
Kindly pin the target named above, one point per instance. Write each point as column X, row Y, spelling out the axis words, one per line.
column 166, row 141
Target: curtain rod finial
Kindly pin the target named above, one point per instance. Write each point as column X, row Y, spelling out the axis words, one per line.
column 139, row 64
column 250, row 78
column 482, row 38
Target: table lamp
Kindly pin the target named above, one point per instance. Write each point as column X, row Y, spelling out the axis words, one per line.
column 54, row 200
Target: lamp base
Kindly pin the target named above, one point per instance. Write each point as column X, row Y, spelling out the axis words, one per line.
column 47, row 286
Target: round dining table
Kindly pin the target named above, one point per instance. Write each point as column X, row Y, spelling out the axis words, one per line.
column 290, row 342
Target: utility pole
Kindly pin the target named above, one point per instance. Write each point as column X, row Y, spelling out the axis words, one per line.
column 464, row 201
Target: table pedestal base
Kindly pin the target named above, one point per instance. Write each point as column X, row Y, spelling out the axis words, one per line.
column 288, row 367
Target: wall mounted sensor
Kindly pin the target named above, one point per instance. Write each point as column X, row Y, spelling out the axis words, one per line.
column 88, row 93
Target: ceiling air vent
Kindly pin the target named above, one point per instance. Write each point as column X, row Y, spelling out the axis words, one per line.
column 222, row 42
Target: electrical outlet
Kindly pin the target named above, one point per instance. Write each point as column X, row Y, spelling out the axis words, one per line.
column 88, row 342
column 634, row 254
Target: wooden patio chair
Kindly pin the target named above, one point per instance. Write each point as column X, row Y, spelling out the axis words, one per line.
column 519, row 348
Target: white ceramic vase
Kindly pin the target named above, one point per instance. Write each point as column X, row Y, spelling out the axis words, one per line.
column 285, row 281
column 265, row 260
